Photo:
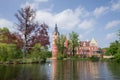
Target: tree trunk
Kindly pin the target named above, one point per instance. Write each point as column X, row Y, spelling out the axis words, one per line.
column 73, row 51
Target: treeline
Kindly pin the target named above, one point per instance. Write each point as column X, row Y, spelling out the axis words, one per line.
column 29, row 42
column 114, row 49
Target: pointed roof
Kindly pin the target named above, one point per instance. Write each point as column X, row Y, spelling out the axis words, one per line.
column 56, row 30
column 93, row 41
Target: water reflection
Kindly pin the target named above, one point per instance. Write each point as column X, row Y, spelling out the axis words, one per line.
column 61, row 70
column 80, row 70
column 114, row 68
column 25, row 72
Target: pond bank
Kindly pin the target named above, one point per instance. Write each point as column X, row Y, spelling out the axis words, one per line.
column 23, row 61
column 38, row 61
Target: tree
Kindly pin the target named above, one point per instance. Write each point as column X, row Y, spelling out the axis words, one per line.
column 113, row 48
column 60, row 41
column 31, row 31
column 119, row 35
column 9, row 52
column 4, row 35
column 119, row 41
column 10, row 38
column 73, row 41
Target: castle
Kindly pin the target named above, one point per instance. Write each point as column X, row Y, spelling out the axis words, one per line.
column 85, row 48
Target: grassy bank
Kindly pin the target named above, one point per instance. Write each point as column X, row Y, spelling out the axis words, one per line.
column 23, row 61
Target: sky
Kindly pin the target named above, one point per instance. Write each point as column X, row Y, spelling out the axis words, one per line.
column 99, row 19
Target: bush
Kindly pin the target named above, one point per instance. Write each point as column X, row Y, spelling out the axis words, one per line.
column 117, row 57
column 39, row 54
column 60, row 56
column 94, row 58
column 74, row 57
column 9, row 52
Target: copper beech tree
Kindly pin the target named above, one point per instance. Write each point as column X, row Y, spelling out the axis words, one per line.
column 31, row 31
column 10, row 38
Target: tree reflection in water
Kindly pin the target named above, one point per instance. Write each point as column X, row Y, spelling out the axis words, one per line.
column 61, row 70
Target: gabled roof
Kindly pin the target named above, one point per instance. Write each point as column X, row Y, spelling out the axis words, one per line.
column 86, row 43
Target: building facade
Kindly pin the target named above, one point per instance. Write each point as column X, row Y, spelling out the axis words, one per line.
column 85, row 48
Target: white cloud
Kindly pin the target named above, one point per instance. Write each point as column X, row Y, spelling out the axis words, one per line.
column 6, row 23
column 33, row 5
column 41, row 1
column 87, row 24
column 111, row 36
column 115, row 5
column 100, row 11
column 112, row 24
column 67, row 19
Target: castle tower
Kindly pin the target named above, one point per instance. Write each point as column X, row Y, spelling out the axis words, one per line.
column 54, row 47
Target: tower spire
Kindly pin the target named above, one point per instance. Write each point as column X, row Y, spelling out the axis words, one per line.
column 56, row 30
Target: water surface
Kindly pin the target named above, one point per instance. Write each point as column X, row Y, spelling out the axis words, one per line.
column 61, row 70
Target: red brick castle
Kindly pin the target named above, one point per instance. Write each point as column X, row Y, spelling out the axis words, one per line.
column 85, row 48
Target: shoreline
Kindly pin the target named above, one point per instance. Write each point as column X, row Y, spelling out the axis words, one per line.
column 30, row 61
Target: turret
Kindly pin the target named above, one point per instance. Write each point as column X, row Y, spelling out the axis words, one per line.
column 54, row 37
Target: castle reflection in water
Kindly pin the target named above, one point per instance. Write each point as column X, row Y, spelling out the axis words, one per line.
column 75, row 70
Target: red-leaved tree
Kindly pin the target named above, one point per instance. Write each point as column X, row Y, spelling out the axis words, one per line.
column 10, row 38
column 31, row 31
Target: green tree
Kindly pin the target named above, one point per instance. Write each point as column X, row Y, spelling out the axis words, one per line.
column 35, row 52
column 39, row 54
column 113, row 48
column 4, row 33
column 119, row 35
column 60, row 41
column 9, row 52
column 73, row 41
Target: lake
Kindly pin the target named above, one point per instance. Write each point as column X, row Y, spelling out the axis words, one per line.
column 61, row 70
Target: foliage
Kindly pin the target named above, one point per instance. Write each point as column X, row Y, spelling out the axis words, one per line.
column 10, row 38
column 60, row 41
column 31, row 31
column 94, row 58
column 119, row 35
column 9, row 52
column 39, row 54
column 73, row 41
column 60, row 56
column 106, row 51
column 114, row 47
column 74, row 57
column 117, row 57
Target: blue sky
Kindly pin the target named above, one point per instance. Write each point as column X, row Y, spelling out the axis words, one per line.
column 99, row 19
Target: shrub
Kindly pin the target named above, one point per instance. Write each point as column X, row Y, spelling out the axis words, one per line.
column 117, row 57
column 9, row 52
column 60, row 56
column 39, row 54
column 94, row 58
column 75, row 56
